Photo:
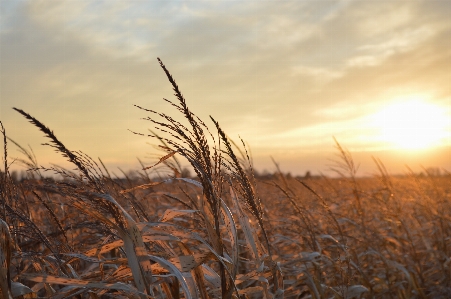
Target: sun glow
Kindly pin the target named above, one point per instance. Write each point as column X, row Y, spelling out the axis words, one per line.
column 412, row 124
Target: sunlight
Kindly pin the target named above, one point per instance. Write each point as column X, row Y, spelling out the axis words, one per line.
column 412, row 124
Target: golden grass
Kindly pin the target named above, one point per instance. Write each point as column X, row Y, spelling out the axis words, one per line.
column 222, row 234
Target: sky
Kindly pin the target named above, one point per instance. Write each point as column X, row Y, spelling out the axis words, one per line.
column 285, row 76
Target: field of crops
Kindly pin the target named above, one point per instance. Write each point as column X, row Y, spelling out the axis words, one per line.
column 222, row 232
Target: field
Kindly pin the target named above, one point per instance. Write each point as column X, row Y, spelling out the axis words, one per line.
column 222, row 233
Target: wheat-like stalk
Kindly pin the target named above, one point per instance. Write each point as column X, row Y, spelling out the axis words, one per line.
column 225, row 233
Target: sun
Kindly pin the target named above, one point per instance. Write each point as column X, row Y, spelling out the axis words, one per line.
column 412, row 124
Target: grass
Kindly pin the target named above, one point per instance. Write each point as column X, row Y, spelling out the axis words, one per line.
column 223, row 233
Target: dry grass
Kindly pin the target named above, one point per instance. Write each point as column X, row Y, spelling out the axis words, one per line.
column 91, row 235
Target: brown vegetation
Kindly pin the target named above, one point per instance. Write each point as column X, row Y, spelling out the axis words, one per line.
column 222, row 234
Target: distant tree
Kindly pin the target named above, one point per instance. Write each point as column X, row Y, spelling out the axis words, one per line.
column 14, row 176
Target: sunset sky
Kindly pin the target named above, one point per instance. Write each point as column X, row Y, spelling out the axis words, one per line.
column 286, row 76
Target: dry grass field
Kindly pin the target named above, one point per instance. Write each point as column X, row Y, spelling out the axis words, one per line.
column 222, row 233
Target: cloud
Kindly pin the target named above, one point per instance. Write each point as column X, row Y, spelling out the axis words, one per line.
column 400, row 43
column 262, row 69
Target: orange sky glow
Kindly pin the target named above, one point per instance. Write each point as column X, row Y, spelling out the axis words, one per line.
column 286, row 76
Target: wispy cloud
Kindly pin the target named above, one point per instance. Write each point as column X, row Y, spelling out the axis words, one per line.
column 266, row 70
